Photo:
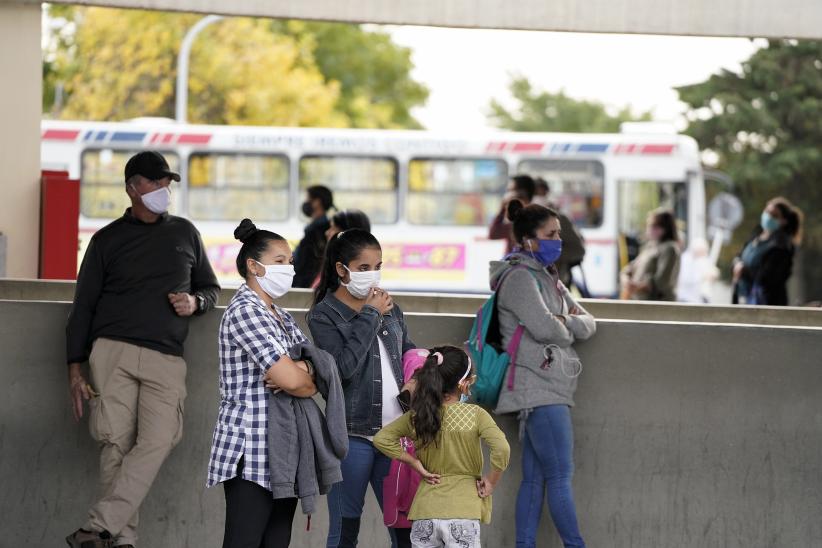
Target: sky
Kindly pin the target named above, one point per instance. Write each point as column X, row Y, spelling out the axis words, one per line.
column 465, row 68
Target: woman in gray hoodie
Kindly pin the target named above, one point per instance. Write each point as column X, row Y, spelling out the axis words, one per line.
column 530, row 294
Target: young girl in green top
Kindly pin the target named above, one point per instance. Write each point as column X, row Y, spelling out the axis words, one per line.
column 446, row 431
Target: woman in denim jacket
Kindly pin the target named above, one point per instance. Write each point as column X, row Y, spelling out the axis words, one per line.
column 357, row 322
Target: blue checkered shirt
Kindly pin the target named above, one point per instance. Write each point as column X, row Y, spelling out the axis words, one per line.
column 250, row 340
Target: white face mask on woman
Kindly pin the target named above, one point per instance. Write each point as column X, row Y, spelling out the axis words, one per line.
column 277, row 279
column 360, row 283
column 157, row 201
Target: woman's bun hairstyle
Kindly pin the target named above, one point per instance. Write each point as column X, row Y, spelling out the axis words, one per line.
column 527, row 219
column 513, row 210
column 245, row 231
column 254, row 242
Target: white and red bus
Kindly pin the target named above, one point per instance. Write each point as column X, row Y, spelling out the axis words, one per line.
column 430, row 196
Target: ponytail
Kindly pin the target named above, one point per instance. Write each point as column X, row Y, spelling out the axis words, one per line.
column 439, row 375
column 527, row 219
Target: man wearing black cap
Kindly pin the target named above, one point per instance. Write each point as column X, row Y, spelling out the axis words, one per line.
column 142, row 277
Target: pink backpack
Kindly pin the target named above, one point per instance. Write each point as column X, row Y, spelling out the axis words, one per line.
column 400, row 485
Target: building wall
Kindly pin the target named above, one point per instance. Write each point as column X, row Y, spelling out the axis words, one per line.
column 687, row 435
column 20, row 107
column 755, row 18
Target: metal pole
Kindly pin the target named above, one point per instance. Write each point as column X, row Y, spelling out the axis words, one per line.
column 181, row 109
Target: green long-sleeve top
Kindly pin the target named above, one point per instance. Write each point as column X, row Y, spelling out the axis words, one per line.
column 456, row 457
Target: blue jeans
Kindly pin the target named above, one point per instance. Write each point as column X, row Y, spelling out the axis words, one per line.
column 548, row 461
column 363, row 465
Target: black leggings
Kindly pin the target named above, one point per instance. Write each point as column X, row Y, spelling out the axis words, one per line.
column 252, row 518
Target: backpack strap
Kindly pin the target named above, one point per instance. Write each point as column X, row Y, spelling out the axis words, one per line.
column 516, row 338
column 480, row 338
column 505, row 274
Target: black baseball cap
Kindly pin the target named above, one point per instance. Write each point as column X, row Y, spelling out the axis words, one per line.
column 151, row 165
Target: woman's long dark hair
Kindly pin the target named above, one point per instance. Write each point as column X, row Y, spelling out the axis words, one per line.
column 433, row 382
column 255, row 242
column 342, row 248
column 793, row 218
column 665, row 219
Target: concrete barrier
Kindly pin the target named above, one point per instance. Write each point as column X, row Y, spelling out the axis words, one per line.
column 687, row 435
column 450, row 303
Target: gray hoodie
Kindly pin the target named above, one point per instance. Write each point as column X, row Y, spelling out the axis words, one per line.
column 534, row 297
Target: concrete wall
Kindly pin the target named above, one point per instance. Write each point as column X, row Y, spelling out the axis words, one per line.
column 20, row 106
column 687, row 435
column 765, row 18
column 49, row 290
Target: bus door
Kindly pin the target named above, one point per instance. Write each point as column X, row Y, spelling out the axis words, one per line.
column 637, row 198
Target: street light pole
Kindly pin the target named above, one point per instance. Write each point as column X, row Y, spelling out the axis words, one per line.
column 181, row 108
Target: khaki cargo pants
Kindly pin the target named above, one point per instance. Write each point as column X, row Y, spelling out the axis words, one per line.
column 138, row 419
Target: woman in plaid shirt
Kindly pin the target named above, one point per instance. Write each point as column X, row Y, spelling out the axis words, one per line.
column 254, row 338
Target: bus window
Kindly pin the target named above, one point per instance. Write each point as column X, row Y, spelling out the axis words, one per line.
column 225, row 186
column 576, row 187
column 638, row 198
column 367, row 184
column 446, row 191
column 102, row 187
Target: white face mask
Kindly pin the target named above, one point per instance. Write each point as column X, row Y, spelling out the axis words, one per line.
column 277, row 279
column 157, row 201
column 360, row 283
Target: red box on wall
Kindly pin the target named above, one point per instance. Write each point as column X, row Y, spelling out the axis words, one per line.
column 59, row 226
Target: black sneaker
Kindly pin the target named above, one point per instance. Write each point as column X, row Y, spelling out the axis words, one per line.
column 90, row 539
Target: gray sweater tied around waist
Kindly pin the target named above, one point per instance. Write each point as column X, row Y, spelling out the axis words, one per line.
column 305, row 446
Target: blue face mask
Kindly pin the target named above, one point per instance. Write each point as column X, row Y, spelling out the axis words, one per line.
column 548, row 251
column 768, row 222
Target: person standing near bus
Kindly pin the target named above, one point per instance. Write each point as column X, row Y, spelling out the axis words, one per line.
column 545, row 369
column 346, row 219
column 143, row 276
column 522, row 188
column 308, row 255
column 573, row 245
column 761, row 271
column 527, row 190
column 653, row 275
column 357, row 322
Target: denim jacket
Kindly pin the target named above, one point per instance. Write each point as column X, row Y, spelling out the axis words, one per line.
column 351, row 337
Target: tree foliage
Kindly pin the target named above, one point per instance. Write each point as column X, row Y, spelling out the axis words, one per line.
column 118, row 64
column 376, row 88
column 537, row 110
column 764, row 125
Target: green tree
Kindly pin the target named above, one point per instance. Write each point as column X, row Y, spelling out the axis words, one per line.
column 538, row 110
column 764, row 125
column 243, row 71
column 376, row 87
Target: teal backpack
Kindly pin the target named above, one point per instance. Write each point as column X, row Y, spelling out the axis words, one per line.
column 485, row 347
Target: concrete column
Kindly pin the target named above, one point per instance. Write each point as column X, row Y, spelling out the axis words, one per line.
column 20, row 112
